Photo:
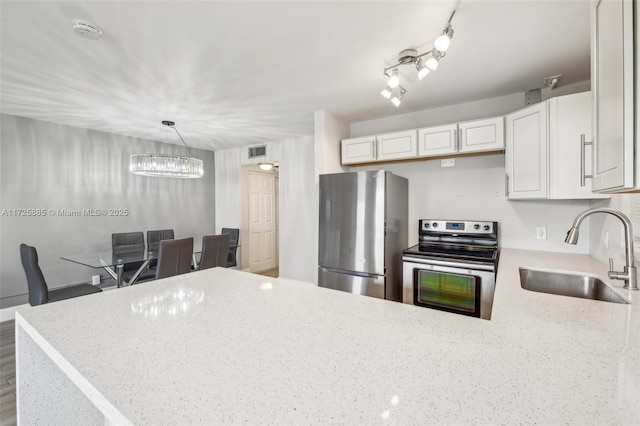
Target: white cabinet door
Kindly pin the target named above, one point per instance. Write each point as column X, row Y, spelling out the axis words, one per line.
column 612, row 43
column 438, row 140
column 396, row 146
column 526, row 153
column 570, row 148
column 359, row 150
column 482, row 135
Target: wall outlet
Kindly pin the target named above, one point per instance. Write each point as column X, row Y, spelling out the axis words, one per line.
column 95, row 279
column 448, row 162
column 606, row 240
column 541, row 232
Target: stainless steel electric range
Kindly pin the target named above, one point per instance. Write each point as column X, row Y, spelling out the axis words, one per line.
column 453, row 267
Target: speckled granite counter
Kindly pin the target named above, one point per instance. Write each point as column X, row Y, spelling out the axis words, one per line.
column 222, row 346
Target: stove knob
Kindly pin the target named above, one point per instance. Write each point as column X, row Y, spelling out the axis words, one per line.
column 486, row 227
column 435, row 224
column 426, row 225
column 476, row 226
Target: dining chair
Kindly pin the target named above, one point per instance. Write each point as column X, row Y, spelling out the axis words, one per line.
column 39, row 292
column 234, row 238
column 128, row 243
column 174, row 257
column 153, row 243
column 215, row 251
column 154, row 238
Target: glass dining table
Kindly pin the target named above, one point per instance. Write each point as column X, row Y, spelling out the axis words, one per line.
column 114, row 264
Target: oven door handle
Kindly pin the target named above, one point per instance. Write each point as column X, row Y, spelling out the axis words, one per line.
column 419, row 260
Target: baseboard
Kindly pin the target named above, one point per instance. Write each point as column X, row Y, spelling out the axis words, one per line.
column 8, row 314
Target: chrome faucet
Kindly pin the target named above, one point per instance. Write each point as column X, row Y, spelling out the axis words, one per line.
column 629, row 275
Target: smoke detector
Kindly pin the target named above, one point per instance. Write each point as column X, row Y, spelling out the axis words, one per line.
column 86, row 29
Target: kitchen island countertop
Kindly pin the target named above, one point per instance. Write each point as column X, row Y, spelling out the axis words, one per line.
column 222, row 346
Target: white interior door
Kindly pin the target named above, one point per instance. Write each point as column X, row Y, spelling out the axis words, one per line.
column 262, row 221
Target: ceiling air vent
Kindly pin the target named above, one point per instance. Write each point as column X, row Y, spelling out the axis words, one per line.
column 258, row 151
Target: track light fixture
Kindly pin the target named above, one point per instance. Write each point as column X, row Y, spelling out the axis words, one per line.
column 424, row 65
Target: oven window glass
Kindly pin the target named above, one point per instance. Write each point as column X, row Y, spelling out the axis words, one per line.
column 451, row 291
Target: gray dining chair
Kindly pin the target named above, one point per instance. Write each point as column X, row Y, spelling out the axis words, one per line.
column 174, row 257
column 153, row 243
column 39, row 292
column 132, row 244
column 154, row 238
column 215, row 251
column 234, row 238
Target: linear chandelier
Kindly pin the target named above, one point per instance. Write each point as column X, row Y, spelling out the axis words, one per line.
column 162, row 165
column 394, row 91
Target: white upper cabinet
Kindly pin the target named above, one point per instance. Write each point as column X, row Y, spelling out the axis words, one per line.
column 396, row 146
column 462, row 138
column 438, row 140
column 481, row 135
column 612, row 80
column 526, row 153
column 359, row 150
column 369, row 149
column 570, row 147
column 549, row 150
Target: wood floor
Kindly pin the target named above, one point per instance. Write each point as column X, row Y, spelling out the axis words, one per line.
column 7, row 373
column 273, row 273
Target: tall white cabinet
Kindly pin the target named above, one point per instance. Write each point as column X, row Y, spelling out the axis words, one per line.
column 613, row 79
column 526, row 153
column 549, row 150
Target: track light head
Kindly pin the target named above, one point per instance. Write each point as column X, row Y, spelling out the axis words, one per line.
column 394, row 80
column 396, row 99
column 386, row 93
column 422, row 70
column 442, row 42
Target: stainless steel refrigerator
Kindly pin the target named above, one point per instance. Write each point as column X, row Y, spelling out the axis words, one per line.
column 363, row 230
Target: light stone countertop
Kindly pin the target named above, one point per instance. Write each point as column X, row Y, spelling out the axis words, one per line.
column 222, row 346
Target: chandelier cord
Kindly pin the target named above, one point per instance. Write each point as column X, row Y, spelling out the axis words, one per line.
column 185, row 144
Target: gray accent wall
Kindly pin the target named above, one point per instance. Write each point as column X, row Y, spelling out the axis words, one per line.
column 52, row 166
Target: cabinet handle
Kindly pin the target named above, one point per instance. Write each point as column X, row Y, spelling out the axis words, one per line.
column 583, row 145
column 506, row 185
column 455, row 141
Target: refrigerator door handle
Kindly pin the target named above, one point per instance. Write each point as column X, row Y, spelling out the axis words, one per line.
column 344, row 271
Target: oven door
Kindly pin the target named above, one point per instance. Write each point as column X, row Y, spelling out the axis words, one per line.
column 447, row 291
column 449, row 286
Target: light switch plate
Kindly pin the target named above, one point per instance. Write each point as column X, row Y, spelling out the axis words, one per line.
column 541, row 232
column 95, row 279
column 448, row 162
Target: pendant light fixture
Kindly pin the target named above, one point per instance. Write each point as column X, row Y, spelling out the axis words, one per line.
column 425, row 63
column 162, row 165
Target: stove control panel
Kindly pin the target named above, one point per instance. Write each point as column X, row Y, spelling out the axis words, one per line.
column 457, row 226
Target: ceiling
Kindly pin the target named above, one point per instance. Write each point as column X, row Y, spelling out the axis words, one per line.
column 243, row 72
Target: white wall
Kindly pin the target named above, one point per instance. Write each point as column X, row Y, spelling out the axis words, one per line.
column 475, row 188
column 329, row 131
column 52, row 166
column 601, row 224
column 298, row 224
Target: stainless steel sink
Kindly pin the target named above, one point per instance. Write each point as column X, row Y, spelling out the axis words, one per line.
column 568, row 284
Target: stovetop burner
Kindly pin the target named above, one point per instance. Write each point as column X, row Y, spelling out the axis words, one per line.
column 454, row 251
column 474, row 241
